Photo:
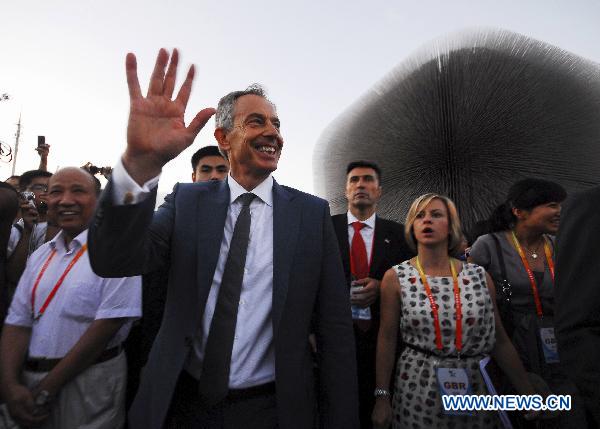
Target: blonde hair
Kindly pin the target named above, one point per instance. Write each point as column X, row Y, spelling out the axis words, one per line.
column 454, row 230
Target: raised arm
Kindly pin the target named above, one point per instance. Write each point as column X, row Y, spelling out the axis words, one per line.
column 125, row 239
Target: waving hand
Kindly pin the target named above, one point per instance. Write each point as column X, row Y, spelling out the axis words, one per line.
column 156, row 132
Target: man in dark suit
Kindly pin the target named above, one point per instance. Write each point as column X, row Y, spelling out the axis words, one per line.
column 577, row 297
column 251, row 263
column 366, row 256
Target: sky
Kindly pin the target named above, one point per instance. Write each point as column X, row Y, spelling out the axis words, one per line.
column 62, row 63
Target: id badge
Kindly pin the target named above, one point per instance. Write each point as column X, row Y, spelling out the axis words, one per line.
column 549, row 345
column 453, row 381
column 361, row 313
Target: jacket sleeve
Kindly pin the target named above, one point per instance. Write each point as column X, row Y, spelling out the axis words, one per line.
column 335, row 338
column 129, row 240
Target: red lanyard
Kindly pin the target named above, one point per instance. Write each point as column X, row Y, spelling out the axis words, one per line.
column 434, row 308
column 534, row 289
column 50, row 296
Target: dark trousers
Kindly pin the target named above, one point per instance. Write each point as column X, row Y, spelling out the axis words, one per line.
column 365, row 360
column 248, row 409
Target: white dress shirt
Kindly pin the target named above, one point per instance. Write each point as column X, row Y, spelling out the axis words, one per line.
column 367, row 232
column 253, row 354
column 82, row 298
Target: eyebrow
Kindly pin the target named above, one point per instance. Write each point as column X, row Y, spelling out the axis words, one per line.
column 263, row 117
column 213, row 166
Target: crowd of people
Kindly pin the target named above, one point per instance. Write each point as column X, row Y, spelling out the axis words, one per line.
column 242, row 303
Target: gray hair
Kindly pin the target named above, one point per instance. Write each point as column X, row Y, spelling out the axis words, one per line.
column 224, row 115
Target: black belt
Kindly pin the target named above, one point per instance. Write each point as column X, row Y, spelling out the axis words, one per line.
column 45, row 365
column 251, row 392
column 190, row 384
column 429, row 353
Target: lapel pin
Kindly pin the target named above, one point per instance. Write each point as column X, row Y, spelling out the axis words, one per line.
column 387, row 240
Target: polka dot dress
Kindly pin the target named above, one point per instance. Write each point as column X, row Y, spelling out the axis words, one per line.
column 417, row 400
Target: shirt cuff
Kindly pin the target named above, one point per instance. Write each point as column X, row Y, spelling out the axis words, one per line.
column 125, row 190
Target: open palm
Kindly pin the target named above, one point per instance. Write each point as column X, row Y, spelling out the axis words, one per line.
column 156, row 132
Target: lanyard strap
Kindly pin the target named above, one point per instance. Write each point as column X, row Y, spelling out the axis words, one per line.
column 434, row 308
column 52, row 293
column 534, row 289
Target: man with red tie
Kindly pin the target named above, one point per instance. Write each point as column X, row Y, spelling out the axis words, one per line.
column 369, row 246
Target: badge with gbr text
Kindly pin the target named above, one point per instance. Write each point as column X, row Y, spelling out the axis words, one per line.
column 454, row 381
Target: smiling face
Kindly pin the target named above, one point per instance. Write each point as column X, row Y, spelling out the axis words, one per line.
column 72, row 200
column 254, row 144
column 362, row 188
column 543, row 219
column 431, row 225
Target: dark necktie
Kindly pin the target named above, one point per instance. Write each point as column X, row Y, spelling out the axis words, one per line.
column 214, row 381
column 360, row 265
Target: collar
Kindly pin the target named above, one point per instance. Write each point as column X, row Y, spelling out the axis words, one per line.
column 370, row 222
column 58, row 242
column 264, row 191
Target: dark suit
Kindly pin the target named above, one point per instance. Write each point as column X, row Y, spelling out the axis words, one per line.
column 389, row 249
column 185, row 235
column 577, row 296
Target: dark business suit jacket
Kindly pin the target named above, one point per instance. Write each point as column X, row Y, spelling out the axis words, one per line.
column 389, row 249
column 184, row 235
column 577, row 296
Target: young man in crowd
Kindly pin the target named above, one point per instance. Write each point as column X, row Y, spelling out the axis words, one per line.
column 209, row 164
column 33, row 229
column 61, row 362
column 369, row 245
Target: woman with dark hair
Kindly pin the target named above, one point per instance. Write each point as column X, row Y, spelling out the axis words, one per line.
column 519, row 255
column 444, row 309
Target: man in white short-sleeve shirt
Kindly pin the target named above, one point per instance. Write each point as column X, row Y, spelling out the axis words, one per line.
column 60, row 352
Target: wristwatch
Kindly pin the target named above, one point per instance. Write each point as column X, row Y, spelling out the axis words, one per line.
column 42, row 398
column 381, row 392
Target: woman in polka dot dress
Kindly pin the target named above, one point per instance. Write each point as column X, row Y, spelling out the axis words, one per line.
column 446, row 315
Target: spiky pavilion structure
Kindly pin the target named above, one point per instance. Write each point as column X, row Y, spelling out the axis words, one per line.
column 467, row 116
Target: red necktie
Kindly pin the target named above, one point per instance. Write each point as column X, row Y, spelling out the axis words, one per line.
column 360, row 265
column 358, row 253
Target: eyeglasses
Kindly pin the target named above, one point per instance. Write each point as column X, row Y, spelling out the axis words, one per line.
column 38, row 187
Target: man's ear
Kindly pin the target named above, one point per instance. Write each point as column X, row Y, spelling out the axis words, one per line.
column 193, row 177
column 222, row 141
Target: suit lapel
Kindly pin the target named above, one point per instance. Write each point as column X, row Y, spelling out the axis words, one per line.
column 286, row 224
column 341, row 230
column 211, row 213
column 379, row 246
